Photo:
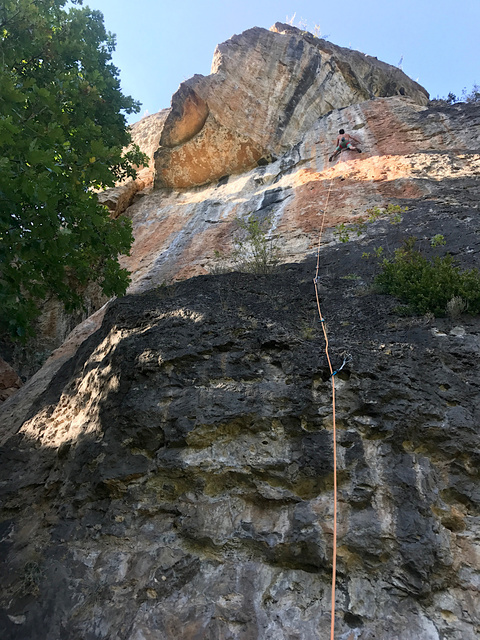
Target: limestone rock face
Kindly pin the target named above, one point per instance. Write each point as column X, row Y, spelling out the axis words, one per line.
column 186, row 117
column 265, row 91
column 409, row 152
column 215, row 152
column 118, row 199
column 261, row 102
column 175, row 477
column 146, row 133
column 168, row 473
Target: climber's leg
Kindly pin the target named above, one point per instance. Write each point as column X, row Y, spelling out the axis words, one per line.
column 335, row 154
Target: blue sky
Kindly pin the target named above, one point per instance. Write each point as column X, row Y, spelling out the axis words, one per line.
column 161, row 43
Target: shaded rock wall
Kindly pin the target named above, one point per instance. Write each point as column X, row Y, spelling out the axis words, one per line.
column 50, row 331
column 9, row 381
column 175, row 478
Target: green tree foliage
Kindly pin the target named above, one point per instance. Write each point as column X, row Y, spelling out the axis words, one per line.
column 62, row 131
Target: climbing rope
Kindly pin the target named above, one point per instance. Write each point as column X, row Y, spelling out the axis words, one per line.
column 334, row 435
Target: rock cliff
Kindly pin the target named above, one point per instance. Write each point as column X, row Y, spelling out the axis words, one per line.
column 168, row 473
column 410, row 152
column 175, row 478
column 265, row 91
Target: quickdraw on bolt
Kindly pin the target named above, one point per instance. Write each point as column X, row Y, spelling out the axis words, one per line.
column 346, row 359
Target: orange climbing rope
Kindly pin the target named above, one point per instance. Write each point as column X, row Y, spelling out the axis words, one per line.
column 334, row 435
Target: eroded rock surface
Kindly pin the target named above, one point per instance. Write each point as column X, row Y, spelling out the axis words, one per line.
column 175, row 478
column 265, row 91
column 119, row 198
column 409, row 153
column 168, row 472
column 146, row 134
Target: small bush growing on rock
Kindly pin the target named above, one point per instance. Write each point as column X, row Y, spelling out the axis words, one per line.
column 393, row 212
column 31, row 579
column 255, row 251
column 435, row 286
column 438, row 240
column 456, row 306
column 220, row 263
column 425, row 285
column 302, row 24
column 472, row 97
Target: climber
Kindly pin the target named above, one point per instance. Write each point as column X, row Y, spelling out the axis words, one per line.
column 344, row 143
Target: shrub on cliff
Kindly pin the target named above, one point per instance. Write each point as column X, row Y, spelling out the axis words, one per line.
column 471, row 97
column 428, row 285
column 254, row 249
column 62, row 130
